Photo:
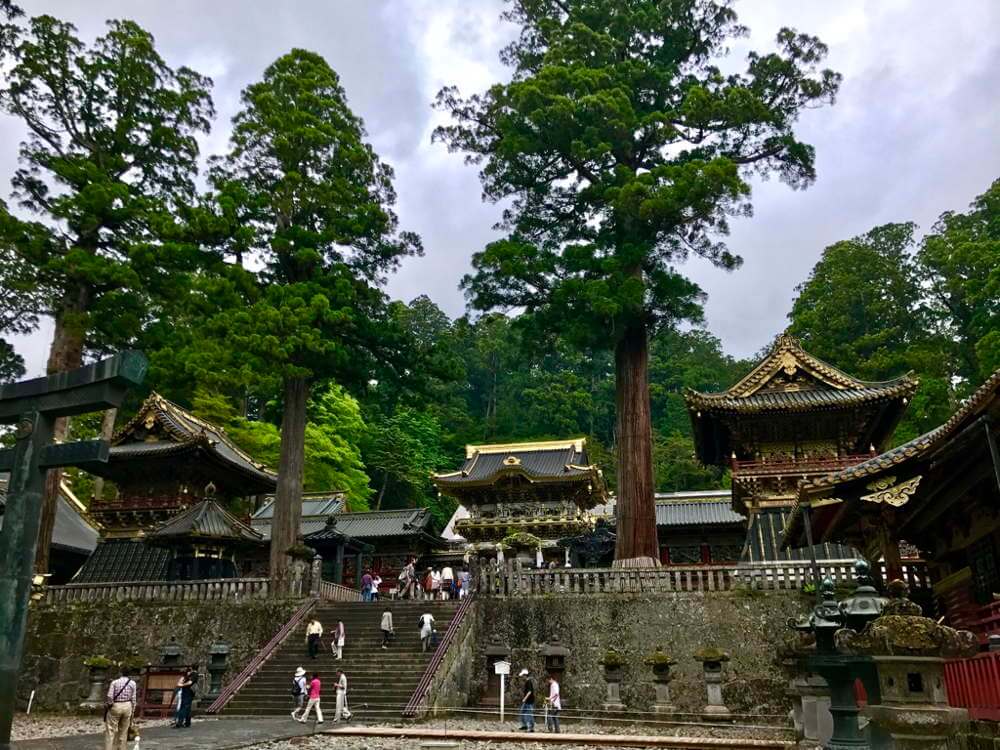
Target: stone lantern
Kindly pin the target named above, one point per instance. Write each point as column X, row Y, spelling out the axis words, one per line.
column 660, row 663
column 865, row 604
column 908, row 651
column 809, row 691
column 613, row 663
column 712, row 660
column 170, row 654
column 554, row 654
column 218, row 658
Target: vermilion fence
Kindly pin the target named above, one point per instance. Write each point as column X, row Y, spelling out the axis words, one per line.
column 974, row 684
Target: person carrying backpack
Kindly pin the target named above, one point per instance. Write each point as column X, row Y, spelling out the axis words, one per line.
column 299, row 692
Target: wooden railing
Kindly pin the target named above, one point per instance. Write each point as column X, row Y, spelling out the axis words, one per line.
column 984, row 621
column 205, row 590
column 336, row 592
column 423, row 687
column 511, row 581
column 262, row 656
column 764, row 467
column 975, row 684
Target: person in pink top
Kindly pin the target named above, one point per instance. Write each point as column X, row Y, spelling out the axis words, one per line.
column 553, row 705
column 314, row 690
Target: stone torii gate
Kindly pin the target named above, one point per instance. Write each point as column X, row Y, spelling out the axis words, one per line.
column 33, row 406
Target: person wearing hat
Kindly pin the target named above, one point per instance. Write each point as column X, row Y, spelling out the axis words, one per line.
column 527, row 702
column 299, row 692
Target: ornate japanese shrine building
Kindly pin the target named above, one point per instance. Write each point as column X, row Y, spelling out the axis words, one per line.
column 792, row 418
column 545, row 489
column 940, row 492
column 172, row 473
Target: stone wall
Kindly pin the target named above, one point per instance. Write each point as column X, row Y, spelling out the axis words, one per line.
column 61, row 636
column 455, row 677
column 748, row 626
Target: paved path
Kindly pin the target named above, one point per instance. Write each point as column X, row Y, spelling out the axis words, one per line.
column 566, row 738
column 206, row 734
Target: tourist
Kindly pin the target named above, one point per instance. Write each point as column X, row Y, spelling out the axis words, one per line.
column 376, row 582
column 366, row 586
column 527, row 703
column 314, row 631
column 447, row 582
column 407, row 580
column 342, row 710
column 465, row 581
column 188, row 686
column 314, row 691
column 426, row 624
column 386, row 627
column 428, row 584
column 118, row 711
column 339, row 638
column 435, row 585
column 299, row 688
column 553, row 705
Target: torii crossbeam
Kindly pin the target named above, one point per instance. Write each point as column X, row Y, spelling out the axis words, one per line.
column 34, row 406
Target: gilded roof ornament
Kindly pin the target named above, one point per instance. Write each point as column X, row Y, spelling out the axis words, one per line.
column 887, row 491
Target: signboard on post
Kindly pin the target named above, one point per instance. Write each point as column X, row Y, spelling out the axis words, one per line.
column 502, row 668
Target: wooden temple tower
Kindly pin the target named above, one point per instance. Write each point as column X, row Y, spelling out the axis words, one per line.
column 173, row 476
column 546, row 489
column 792, row 418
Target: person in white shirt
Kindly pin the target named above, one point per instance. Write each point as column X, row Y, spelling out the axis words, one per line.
column 435, row 585
column 314, row 631
column 341, row 686
column 386, row 628
column 120, row 707
column 376, row 582
column 299, row 683
column 447, row 582
column 339, row 639
column 553, row 706
column 426, row 629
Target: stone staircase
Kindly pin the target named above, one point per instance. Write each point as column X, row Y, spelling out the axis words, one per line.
column 379, row 681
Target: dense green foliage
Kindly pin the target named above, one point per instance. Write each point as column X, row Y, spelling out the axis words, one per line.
column 878, row 306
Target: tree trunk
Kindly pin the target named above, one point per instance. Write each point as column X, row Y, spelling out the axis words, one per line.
column 107, row 430
column 381, row 492
column 288, row 497
column 66, row 353
column 636, row 544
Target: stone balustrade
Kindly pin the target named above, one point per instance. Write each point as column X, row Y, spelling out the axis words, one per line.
column 510, row 580
column 206, row 590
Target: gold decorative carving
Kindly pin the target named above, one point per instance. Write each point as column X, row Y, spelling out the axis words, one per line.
column 887, row 491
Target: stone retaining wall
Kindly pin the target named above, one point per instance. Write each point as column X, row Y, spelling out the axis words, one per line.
column 61, row 636
column 747, row 625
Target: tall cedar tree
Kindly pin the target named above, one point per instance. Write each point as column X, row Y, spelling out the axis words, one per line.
column 316, row 202
column 622, row 148
column 111, row 149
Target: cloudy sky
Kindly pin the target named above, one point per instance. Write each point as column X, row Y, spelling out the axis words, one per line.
column 914, row 131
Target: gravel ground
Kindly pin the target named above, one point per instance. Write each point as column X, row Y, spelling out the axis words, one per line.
column 37, row 726
column 623, row 728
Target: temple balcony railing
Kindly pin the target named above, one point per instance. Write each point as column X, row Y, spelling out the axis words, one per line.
column 763, row 467
column 511, row 580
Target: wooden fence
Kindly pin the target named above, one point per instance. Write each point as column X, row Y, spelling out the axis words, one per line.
column 974, row 684
column 510, row 580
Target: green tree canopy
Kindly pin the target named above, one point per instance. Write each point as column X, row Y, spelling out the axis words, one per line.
column 960, row 261
column 622, row 148
column 111, row 151
column 314, row 206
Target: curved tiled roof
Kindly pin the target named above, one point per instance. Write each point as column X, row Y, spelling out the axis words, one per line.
column 802, row 400
column 697, row 513
column 206, row 520
column 376, row 523
column 552, row 461
column 186, row 431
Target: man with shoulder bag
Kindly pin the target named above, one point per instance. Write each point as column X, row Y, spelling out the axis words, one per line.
column 118, row 710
